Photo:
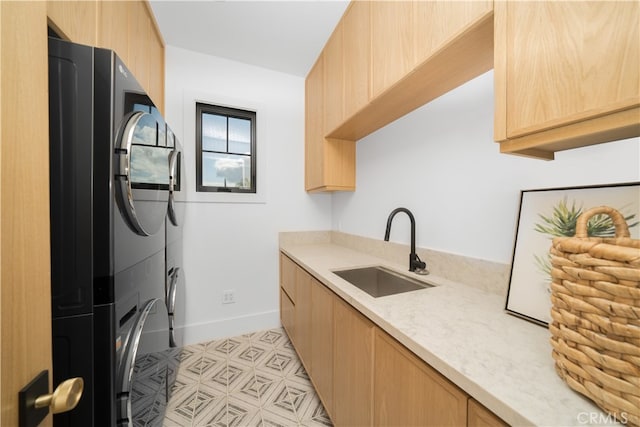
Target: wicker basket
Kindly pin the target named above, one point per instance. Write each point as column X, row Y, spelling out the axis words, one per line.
column 595, row 328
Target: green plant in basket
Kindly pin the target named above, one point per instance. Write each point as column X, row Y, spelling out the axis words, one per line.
column 562, row 223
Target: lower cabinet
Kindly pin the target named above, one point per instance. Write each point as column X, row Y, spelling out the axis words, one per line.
column 353, row 367
column 408, row 392
column 479, row 416
column 322, row 342
column 287, row 314
column 363, row 375
column 302, row 329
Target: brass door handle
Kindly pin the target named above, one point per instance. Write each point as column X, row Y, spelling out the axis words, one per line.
column 64, row 398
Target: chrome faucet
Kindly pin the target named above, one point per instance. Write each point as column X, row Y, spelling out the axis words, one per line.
column 415, row 263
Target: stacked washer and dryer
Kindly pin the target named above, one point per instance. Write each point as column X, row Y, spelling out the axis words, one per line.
column 116, row 276
column 175, row 277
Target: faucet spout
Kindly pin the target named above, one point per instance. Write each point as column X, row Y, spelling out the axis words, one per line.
column 415, row 263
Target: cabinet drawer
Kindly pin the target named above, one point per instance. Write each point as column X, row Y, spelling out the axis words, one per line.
column 288, row 276
column 287, row 314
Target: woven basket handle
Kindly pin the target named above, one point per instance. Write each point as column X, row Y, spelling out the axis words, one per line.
column 622, row 230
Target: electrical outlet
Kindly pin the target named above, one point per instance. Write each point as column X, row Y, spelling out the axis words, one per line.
column 228, row 297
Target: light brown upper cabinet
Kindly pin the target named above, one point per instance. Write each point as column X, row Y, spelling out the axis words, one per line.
column 333, row 80
column 129, row 28
column 113, row 27
column 356, row 50
column 392, row 43
column 395, row 57
column 74, row 20
column 314, row 126
column 126, row 27
column 139, row 42
column 419, row 50
column 330, row 163
column 438, row 21
column 566, row 74
column 156, row 64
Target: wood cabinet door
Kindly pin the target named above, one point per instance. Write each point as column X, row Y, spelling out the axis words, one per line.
column 322, row 342
column 75, row 20
column 156, row 66
column 139, row 42
column 353, row 367
column 356, row 46
column 568, row 61
column 287, row 315
column 113, row 27
column 314, row 126
column 479, row 416
column 438, row 22
column 288, row 276
column 392, row 43
column 25, row 279
column 408, row 392
column 303, row 317
column 333, row 81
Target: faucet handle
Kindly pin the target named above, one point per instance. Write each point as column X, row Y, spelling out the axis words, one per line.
column 417, row 265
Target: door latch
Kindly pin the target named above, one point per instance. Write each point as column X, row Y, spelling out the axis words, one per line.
column 34, row 399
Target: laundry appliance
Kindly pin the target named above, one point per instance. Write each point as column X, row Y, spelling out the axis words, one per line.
column 109, row 175
column 175, row 274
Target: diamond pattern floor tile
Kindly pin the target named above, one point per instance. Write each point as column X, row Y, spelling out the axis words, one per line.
column 254, row 379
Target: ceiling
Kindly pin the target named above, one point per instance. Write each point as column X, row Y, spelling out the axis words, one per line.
column 284, row 36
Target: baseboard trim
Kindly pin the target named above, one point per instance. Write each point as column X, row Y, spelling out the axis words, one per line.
column 223, row 328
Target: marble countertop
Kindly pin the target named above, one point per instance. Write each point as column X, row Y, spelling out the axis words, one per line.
column 463, row 332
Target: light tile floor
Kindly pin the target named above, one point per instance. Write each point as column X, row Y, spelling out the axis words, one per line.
column 250, row 380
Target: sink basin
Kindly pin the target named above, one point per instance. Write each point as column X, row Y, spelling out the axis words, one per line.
column 379, row 281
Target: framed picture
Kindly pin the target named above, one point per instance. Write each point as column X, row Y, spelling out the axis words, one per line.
column 547, row 213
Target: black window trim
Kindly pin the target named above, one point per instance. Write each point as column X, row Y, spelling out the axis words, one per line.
column 230, row 112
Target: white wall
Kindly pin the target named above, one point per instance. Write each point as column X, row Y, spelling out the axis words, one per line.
column 235, row 245
column 440, row 161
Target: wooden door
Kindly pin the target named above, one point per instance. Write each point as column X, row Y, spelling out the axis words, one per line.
column 314, row 126
column 479, row 416
column 439, row 22
column 392, row 43
column 113, row 27
column 333, row 81
column 353, row 370
column 74, row 19
column 408, row 392
column 25, row 301
column 568, row 61
column 322, row 342
column 302, row 329
column 356, row 56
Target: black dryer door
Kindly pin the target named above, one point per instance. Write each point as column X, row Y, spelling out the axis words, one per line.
column 175, row 211
column 142, row 387
column 142, row 173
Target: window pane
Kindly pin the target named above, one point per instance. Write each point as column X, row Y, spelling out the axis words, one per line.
column 239, row 136
column 226, row 170
column 214, row 132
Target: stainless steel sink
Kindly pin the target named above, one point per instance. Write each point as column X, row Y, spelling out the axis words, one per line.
column 379, row 281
